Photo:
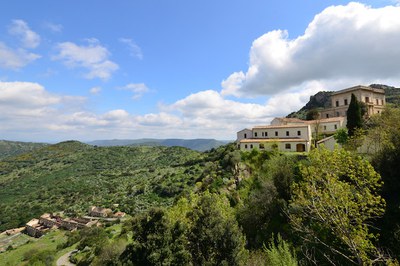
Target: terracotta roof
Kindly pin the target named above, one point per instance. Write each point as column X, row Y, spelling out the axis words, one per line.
column 272, row 140
column 326, row 120
column 287, row 119
column 281, row 126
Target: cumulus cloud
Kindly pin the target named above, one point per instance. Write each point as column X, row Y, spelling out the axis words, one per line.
column 15, row 58
column 20, row 29
column 353, row 42
column 134, row 49
column 95, row 90
column 92, row 57
column 138, row 89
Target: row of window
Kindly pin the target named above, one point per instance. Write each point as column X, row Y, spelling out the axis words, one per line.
column 261, row 146
column 265, row 134
column 367, row 100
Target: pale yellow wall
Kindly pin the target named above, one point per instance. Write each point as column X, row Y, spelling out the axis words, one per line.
column 244, row 134
column 248, row 146
column 293, row 132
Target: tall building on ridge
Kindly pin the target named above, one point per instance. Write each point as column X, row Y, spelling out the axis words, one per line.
column 373, row 99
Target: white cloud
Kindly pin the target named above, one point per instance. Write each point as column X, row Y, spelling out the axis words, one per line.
column 53, row 27
column 355, row 42
column 95, row 90
column 93, row 57
column 138, row 89
column 15, row 58
column 20, row 29
column 134, row 49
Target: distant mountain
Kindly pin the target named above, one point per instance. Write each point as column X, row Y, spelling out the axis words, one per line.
column 323, row 100
column 194, row 144
column 12, row 148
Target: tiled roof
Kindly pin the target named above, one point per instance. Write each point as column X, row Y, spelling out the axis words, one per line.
column 280, row 126
column 260, row 140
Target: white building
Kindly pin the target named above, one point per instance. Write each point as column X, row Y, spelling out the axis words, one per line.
column 295, row 138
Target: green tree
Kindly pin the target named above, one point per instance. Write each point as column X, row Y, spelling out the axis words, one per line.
column 280, row 254
column 354, row 117
column 313, row 114
column 384, row 132
column 332, row 205
column 341, row 136
column 215, row 237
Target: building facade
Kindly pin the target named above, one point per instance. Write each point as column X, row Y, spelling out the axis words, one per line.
column 374, row 100
column 294, row 138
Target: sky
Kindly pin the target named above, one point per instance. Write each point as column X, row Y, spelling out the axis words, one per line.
column 128, row 69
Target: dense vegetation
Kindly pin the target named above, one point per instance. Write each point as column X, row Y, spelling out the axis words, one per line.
column 223, row 207
column 71, row 176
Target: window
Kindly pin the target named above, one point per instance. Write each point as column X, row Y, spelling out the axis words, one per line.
column 324, row 127
column 245, row 146
column 266, row 134
column 337, row 103
column 255, row 134
column 261, row 146
column 251, row 146
column 377, row 102
column 288, row 146
column 367, row 99
column 298, row 133
column 345, row 102
column 245, row 135
column 262, row 134
column 335, row 126
column 337, row 113
column 276, row 133
column 287, row 133
column 327, row 115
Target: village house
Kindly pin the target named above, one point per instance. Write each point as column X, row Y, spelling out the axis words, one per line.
column 48, row 221
column 100, row 212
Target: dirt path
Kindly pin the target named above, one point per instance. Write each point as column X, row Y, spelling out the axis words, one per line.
column 64, row 260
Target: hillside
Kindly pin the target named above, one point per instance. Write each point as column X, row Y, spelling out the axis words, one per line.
column 322, row 99
column 12, row 148
column 194, row 144
column 72, row 176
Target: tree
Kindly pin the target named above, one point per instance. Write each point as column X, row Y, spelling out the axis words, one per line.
column 384, row 132
column 332, row 205
column 215, row 237
column 313, row 114
column 341, row 136
column 354, row 117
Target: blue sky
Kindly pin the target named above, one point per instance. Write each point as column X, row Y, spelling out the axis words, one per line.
column 189, row 69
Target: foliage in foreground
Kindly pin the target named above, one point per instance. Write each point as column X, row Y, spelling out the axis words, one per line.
column 332, row 206
column 201, row 230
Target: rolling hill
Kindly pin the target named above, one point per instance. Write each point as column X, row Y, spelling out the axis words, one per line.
column 194, row 144
column 71, row 176
column 12, row 148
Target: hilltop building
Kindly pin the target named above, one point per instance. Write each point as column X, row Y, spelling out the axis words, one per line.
column 374, row 100
column 296, row 135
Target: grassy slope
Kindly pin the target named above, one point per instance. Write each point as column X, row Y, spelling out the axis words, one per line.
column 72, row 176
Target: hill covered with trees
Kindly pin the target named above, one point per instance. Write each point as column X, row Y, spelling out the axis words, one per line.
column 12, row 148
column 221, row 207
